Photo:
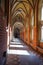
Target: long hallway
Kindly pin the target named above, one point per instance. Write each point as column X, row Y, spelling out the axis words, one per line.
column 21, row 32
column 19, row 53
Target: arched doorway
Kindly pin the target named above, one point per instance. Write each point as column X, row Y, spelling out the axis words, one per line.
column 16, row 33
column 16, row 29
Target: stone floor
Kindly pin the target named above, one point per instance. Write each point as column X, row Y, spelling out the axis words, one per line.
column 19, row 53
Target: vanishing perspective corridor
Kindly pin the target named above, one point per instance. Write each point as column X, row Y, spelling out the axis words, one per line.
column 21, row 32
column 19, row 53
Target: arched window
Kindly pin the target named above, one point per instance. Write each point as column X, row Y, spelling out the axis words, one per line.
column 42, row 33
column 42, row 13
column 32, row 20
column 32, row 24
column 41, row 23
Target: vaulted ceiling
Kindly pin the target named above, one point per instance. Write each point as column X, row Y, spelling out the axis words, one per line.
column 20, row 8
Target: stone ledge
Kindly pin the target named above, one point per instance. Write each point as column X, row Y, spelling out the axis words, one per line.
column 40, row 49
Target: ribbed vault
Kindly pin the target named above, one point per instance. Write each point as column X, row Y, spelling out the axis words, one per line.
column 18, row 25
column 21, row 7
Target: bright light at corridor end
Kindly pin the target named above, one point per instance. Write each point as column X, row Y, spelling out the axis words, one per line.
column 18, row 52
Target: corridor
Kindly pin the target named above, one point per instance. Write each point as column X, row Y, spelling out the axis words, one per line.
column 21, row 32
column 19, row 53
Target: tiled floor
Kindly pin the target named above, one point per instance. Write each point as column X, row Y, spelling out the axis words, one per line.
column 20, row 54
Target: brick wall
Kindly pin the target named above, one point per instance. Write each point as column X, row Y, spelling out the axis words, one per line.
column 3, row 35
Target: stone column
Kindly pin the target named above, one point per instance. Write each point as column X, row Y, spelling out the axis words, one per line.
column 24, row 35
column 35, row 41
column 28, row 26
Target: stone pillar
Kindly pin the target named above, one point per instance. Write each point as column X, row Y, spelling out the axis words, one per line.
column 20, row 34
column 29, row 34
column 35, row 41
column 28, row 26
column 24, row 35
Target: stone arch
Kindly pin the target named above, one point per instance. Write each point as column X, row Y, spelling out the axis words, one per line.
column 19, row 26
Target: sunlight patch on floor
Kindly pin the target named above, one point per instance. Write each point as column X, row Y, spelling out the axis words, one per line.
column 15, row 43
column 19, row 46
column 18, row 52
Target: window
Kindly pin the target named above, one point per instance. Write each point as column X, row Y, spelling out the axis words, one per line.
column 32, row 26
column 32, row 20
column 42, row 33
column 42, row 13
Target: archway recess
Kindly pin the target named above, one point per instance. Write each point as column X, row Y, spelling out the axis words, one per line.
column 16, row 29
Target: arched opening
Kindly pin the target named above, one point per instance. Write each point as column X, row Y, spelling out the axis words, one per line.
column 16, row 33
column 32, row 26
column 42, row 12
column 16, row 29
column 40, row 21
column 42, row 33
column 40, row 26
